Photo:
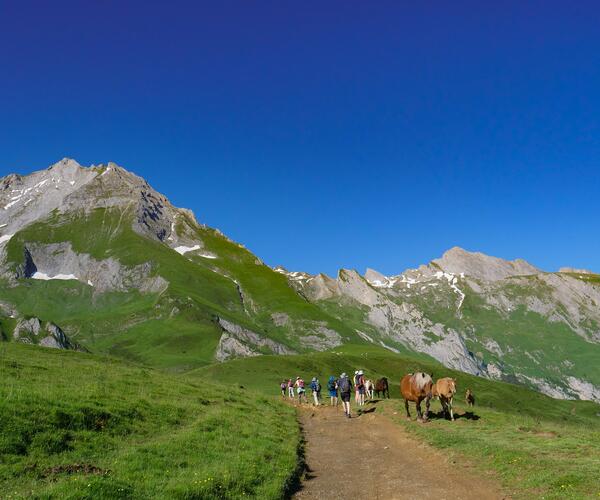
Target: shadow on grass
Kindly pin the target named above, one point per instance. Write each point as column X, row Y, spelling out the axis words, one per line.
column 440, row 415
column 370, row 410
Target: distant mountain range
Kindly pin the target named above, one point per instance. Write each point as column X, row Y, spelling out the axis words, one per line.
column 94, row 258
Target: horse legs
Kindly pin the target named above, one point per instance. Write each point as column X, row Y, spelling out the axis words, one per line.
column 406, row 406
column 419, row 412
column 443, row 403
column 427, row 404
column 451, row 412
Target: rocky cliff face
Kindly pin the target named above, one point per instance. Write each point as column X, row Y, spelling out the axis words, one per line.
column 60, row 261
column 34, row 331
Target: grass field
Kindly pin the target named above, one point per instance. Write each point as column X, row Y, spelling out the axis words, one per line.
column 534, row 455
column 73, row 425
column 538, row 447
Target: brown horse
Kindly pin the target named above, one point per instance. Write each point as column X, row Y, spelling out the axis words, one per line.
column 470, row 398
column 416, row 387
column 382, row 386
column 445, row 389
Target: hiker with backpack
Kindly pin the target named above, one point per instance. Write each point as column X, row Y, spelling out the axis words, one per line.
column 300, row 390
column 345, row 388
column 283, row 386
column 290, row 386
column 332, row 388
column 360, row 387
column 315, row 387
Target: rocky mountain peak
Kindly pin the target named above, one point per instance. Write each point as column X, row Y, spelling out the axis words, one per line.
column 480, row 266
column 65, row 165
column 67, row 186
column 374, row 276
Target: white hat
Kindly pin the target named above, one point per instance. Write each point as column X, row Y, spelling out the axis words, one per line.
column 360, row 372
column 355, row 372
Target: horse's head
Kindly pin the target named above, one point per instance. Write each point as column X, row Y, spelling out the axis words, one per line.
column 453, row 385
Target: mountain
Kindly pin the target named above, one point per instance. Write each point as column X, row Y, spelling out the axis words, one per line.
column 102, row 255
column 500, row 319
column 97, row 254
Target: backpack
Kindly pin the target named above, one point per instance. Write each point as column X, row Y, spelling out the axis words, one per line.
column 344, row 385
column 283, row 385
column 318, row 387
column 331, row 385
column 301, row 384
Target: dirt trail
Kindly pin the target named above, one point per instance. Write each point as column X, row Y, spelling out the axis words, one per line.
column 371, row 457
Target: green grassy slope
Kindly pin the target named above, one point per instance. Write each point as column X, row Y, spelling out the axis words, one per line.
column 175, row 329
column 74, row 425
column 538, row 446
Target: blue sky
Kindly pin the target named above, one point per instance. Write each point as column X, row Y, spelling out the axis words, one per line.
column 326, row 134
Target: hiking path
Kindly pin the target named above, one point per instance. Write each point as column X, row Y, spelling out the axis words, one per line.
column 370, row 457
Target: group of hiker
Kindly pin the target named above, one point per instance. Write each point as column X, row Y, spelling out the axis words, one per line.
column 339, row 388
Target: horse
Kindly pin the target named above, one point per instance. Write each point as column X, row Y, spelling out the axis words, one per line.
column 470, row 398
column 445, row 389
column 382, row 386
column 369, row 388
column 416, row 387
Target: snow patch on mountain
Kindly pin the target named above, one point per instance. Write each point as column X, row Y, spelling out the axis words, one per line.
column 43, row 276
column 452, row 281
column 4, row 238
column 183, row 249
column 293, row 275
column 207, row 255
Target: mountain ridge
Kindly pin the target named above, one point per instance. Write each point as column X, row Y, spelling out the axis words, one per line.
column 155, row 285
